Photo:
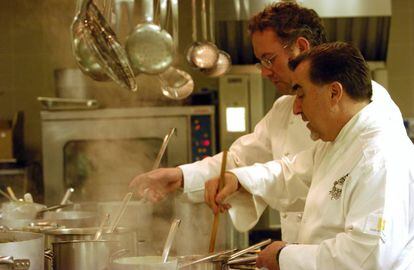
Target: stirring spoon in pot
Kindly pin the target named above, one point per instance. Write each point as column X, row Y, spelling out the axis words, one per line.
column 5, row 195
column 120, row 213
column 11, row 193
column 65, row 198
column 216, row 216
column 67, row 195
column 163, row 148
column 170, row 239
column 98, row 233
column 158, row 159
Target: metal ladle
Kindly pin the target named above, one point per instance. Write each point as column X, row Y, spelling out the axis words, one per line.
column 158, row 159
column 223, row 63
column 98, row 233
column 170, row 239
column 150, row 48
column 175, row 83
column 120, row 213
column 201, row 54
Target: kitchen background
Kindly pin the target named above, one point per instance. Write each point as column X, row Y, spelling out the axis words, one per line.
column 35, row 43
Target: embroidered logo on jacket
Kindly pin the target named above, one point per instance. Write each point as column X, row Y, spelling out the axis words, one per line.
column 336, row 190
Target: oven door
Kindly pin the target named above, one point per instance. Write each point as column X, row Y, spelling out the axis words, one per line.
column 99, row 157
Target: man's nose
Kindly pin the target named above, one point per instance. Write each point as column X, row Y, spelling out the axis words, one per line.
column 266, row 72
column 297, row 106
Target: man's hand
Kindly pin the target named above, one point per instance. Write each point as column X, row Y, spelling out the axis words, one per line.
column 215, row 200
column 267, row 257
column 156, row 184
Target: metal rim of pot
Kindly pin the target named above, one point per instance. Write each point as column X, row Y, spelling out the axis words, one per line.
column 149, row 47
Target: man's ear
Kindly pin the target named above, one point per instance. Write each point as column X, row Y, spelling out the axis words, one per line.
column 336, row 91
column 302, row 44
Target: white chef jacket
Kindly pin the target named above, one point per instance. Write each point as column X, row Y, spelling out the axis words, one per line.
column 359, row 189
column 280, row 133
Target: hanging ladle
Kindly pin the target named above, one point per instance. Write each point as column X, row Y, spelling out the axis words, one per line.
column 223, row 63
column 201, row 54
column 175, row 83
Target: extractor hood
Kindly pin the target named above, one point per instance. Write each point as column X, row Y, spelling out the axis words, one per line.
column 365, row 24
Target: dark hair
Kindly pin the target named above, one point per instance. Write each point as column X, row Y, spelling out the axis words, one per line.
column 341, row 62
column 290, row 21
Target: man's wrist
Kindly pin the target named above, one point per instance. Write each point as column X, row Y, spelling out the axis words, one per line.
column 181, row 177
column 235, row 178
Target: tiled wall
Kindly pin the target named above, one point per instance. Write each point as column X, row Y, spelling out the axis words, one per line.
column 35, row 40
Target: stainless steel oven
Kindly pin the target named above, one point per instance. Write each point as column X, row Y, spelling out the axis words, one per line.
column 99, row 151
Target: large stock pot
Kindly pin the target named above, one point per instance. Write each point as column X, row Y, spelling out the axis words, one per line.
column 126, row 236
column 23, row 245
column 83, row 254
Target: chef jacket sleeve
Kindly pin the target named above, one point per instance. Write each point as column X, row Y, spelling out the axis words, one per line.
column 278, row 184
column 377, row 233
column 250, row 148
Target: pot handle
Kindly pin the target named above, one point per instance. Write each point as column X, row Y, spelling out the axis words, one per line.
column 16, row 264
column 118, row 254
column 49, row 255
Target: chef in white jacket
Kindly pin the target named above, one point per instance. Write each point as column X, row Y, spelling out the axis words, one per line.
column 358, row 180
column 279, row 32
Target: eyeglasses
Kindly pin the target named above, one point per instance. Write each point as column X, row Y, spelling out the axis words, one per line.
column 267, row 61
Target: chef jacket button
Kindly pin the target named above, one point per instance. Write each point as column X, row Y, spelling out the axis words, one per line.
column 291, row 122
column 299, row 217
column 284, row 215
column 287, row 154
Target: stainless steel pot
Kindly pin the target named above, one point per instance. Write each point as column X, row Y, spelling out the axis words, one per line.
column 126, row 236
column 23, row 245
column 207, row 265
column 9, row 263
column 83, row 254
column 144, row 263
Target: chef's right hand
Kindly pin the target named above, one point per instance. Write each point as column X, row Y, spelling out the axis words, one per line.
column 216, row 200
column 156, row 184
